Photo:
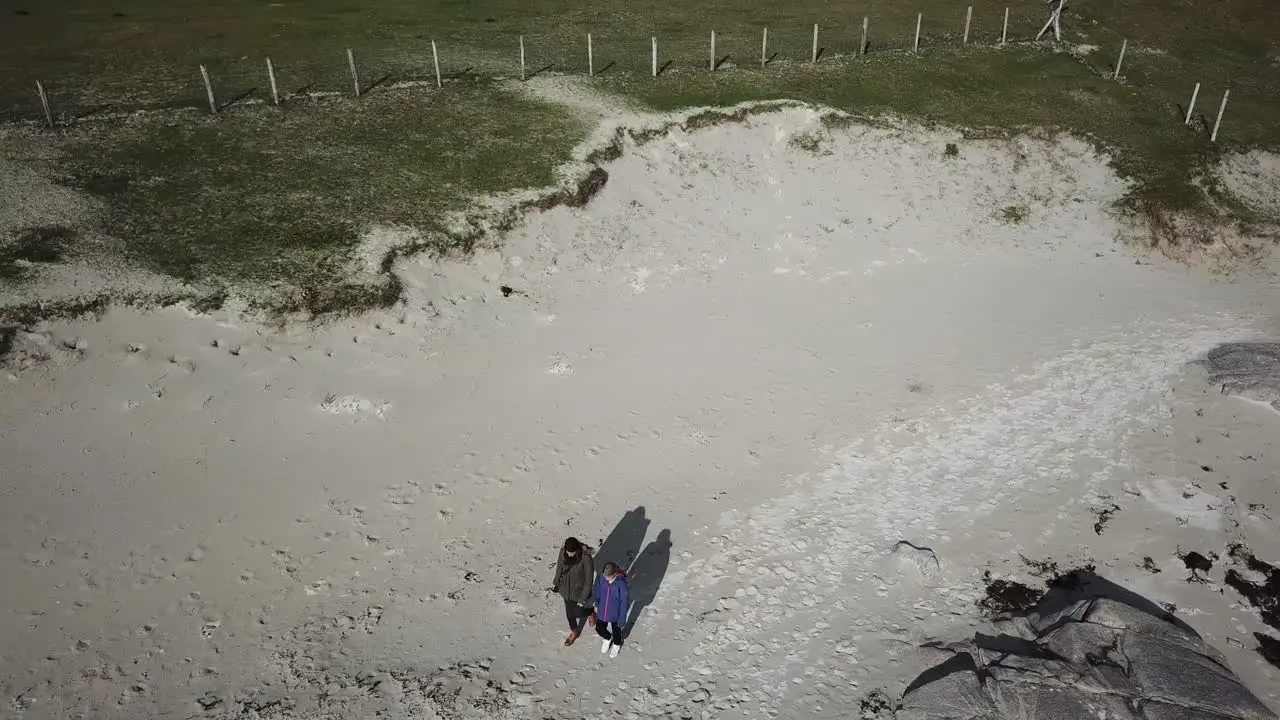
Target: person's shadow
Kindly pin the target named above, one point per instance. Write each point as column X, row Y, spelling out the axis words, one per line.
column 646, row 576
column 623, row 544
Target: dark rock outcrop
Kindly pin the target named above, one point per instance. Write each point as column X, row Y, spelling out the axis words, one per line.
column 1088, row 649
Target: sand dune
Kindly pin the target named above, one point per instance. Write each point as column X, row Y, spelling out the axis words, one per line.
column 792, row 346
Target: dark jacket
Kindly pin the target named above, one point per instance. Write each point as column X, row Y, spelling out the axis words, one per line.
column 573, row 582
column 612, row 599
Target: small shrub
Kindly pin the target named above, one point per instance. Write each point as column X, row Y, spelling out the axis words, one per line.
column 1014, row 214
column 808, row 142
column 951, row 151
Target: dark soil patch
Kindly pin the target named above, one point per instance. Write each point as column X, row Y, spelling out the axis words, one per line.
column 1149, row 565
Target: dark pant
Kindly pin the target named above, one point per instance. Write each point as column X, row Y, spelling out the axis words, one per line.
column 577, row 615
column 610, row 631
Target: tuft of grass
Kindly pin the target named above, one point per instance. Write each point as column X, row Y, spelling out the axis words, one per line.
column 808, row 142
column 1014, row 214
column 951, row 151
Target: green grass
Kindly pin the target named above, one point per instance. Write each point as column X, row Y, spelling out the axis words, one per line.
column 92, row 52
column 267, row 196
column 278, row 197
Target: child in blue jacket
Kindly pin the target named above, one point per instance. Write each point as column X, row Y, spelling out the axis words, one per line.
column 612, row 600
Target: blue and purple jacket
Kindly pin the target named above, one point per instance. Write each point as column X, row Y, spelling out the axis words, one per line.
column 612, row 599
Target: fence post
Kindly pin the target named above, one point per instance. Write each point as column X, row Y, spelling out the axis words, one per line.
column 1218, row 122
column 1004, row 31
column 44, row 103
column 1120, row 60
column 208, row 89
column 522, row 58
column 435, row 60
column 968, row 19
column 712, row 65
column 919, row 19
column 591, row 58
column 764, row 48
column 814, row 55
column 654, row 64
column 1191, row 106
column 271, row 77
column 862, row 49
column 355, row 76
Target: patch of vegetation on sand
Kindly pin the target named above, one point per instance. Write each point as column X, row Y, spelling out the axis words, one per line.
column 278, row 197
column 33, row 245
column 1014, row 214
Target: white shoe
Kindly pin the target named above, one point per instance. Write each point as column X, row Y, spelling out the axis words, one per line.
column 604, row 646
column 613, row 651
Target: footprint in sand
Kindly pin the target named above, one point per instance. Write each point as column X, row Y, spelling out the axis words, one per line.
column 354, row 405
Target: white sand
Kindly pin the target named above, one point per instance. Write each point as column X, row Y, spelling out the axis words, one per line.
column 791, row 361
column 1254, row 178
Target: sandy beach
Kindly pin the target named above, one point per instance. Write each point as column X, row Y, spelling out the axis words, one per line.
column 773, row 349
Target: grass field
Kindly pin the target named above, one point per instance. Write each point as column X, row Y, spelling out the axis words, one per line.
column 276, row 196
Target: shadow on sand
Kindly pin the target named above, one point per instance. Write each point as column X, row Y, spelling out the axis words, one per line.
column 623, row 544
column 646, row 576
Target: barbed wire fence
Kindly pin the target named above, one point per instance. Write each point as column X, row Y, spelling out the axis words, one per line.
column 426, row 64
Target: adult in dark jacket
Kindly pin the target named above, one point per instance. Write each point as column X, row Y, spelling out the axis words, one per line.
column 612, row 599
column 575, row 571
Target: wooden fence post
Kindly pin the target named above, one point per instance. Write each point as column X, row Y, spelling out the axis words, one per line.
column 1191, row 106
column 862, row 48
column 271, row 77
column 968, row 19
column 919, row 19
column 813, row 58
column 208, row 89
column 522, row 76
column 1120, row 60
column 1218, row 122
column 355, row 76
column 764, row 48
column 712, row 65
column 435, row 60
column 591, row 58
column 44, row 103
column 654, row 64
column 1004, row 31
